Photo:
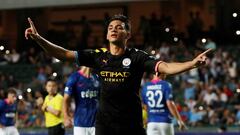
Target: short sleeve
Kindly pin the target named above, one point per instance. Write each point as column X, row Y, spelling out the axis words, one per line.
column 143, row 94
column 1, row 104
column 45, row 100
column 168, row 91
column 70, row 84
column 149, row 62
column 59, row 101
column 85, row 57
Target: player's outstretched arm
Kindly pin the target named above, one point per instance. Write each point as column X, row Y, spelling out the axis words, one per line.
column 175, row 68
column 52, row 49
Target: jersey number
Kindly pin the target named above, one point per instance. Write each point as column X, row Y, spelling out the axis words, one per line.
column 155, row 102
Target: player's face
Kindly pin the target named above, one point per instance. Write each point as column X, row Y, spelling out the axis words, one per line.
column 51, row 87
column 117, row 33
column 12, row 98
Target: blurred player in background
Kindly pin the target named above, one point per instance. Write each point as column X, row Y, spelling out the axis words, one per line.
column 120, row 70
column 52, row 108
column 83, row 87
column 157, row 98
column 8, row 114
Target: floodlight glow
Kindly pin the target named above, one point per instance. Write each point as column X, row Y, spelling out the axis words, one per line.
column 56, row 60
column 238, row 90
column 234, row 14
column 20, row 97
column 7, row 52
column 175, row 39
column 238, row 32
column 1, row 48
column 204, row 40
column 29, row 90
column 54, row 74
column 167, row 29
column 200, row 107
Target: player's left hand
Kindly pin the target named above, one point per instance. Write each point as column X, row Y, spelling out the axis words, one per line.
column 201, row 59
column 31, row 31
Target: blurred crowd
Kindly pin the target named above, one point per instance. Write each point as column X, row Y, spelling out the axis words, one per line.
column 205, row 96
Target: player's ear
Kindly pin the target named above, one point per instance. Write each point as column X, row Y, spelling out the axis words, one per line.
column 129, row 35
column 107, row 37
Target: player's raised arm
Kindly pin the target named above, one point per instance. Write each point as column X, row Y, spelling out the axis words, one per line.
column 52, row 49
column 175, row 68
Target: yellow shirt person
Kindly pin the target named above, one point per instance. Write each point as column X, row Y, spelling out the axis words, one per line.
column 52, row 108
column 56, row 104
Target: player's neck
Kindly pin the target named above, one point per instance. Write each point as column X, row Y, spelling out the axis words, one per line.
column 155, row 79
column 117, row 50
column 85, row 72
column 52, row 95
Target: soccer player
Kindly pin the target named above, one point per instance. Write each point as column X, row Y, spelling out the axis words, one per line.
column 120, row 70
column 8, row 109
column 157, row 98
column 83, row 86
column 52, row 108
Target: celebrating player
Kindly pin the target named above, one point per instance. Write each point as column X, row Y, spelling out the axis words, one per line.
column 120, row 70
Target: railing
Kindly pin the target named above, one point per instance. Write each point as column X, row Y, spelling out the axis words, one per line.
column 206, row 130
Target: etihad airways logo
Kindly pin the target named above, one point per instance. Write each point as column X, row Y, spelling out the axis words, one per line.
column 114, row 74
column 109, row 76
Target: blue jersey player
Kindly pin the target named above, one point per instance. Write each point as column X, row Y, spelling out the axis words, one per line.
column 157, row 99
column 8, row 109
column 83, row 87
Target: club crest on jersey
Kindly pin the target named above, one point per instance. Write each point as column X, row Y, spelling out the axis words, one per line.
column 126, row 62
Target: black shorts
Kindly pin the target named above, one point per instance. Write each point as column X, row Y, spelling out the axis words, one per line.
column 117, row 130
column 56, row 130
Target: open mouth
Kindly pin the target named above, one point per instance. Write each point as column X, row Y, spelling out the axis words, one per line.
column 114, row 35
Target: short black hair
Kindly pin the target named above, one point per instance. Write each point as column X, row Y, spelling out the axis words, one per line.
column 122, row 18
column 11, row 91
column 51, row 80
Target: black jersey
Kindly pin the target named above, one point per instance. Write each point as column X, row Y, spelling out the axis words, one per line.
column 120, row 76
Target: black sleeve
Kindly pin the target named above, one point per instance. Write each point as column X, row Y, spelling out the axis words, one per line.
column 86, row 58
column 148, row 62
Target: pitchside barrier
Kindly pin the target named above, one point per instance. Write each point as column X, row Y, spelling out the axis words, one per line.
column 235, row 130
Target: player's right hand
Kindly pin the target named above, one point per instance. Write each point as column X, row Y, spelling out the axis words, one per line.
column 68, row 123
column 182, row 126
column 31, row 31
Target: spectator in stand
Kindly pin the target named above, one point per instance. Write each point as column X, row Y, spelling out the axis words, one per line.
column 13, row 57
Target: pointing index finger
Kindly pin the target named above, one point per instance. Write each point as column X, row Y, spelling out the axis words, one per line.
column 31, row 24
column 208, row 50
